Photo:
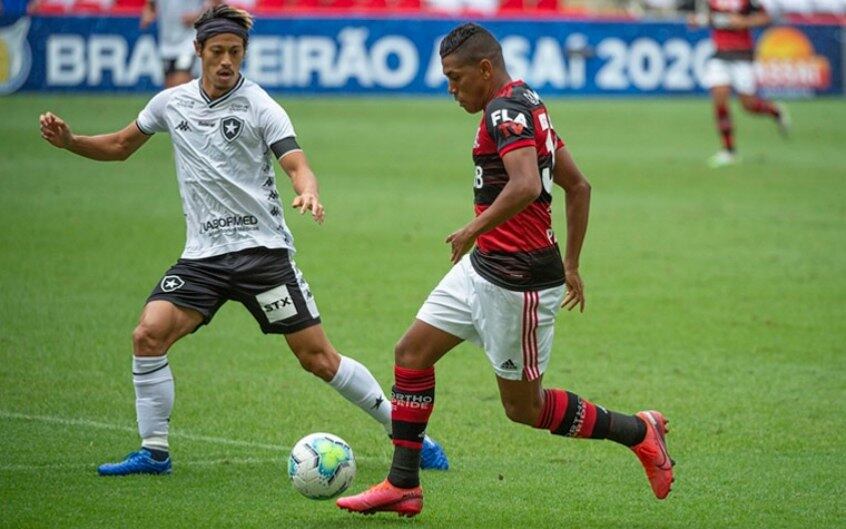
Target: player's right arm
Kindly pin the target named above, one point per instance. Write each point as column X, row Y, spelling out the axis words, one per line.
column 576, row 187
column 116, row 146
column 756, row 17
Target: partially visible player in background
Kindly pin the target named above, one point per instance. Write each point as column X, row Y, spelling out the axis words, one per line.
column 175, row 22
column 226, row 132
column 731, row 67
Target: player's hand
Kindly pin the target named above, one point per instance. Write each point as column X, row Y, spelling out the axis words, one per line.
column 737, row 21
column 310, row 202
column 725, row 20
column 55, row 130
column 148, row 16
column 188, row 19
column 698, row 20
column 33, row 6
column 575, row 291
column 461, row 242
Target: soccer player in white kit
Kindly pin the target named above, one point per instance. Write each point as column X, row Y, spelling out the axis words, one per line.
column 175, row 20
column 225, row 131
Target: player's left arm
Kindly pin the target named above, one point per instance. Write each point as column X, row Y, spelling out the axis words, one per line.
column 304, row 182
column 281, row 139
column 148, row 14
column 756, row 18
column 577, row 200
column 523, row 187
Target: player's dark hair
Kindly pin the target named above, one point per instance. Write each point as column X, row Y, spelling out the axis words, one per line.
column 472, row 43
column 223, row 19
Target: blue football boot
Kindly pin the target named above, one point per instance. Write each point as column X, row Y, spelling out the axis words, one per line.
column 432, row 456
column 140, row 462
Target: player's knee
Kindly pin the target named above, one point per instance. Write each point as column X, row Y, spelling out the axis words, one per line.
column 520, row 412
column 147, row 342
column 404, row 353
column 318, row 362
column 748, row 105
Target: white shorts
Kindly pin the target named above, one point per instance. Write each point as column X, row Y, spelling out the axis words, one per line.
column 514, row 328
column 740, row 75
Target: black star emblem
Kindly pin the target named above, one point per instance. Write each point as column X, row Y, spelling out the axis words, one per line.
column 379, row 401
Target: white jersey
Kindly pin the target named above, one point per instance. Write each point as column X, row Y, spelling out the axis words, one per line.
column 175, row 38
column 224, row 164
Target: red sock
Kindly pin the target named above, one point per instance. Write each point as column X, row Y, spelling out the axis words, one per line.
column 412, row 401
column 762, row 106
column 567, row 414
column 725, row 127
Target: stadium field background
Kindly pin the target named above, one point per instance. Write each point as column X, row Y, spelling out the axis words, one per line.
column 714, row 296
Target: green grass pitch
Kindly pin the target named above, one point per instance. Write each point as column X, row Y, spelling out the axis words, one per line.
column 714, row 296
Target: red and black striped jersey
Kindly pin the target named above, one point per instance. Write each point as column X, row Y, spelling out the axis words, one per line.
column 521, row 253
column 732, row 43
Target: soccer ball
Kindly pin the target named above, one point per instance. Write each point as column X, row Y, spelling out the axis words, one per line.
column 321, row 466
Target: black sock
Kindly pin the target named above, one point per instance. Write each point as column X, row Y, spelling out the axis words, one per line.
column 626, row 429
column 404, row 468
column 158, row 455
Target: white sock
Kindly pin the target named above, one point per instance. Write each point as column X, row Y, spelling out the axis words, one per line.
column 356, row 384
column 153, row 399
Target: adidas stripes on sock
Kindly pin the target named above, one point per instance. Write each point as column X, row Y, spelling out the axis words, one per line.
column 153, row 382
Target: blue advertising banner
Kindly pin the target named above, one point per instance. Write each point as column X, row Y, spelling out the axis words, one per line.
column 400, row 56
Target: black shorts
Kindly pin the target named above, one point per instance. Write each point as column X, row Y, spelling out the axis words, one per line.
column 263, row 280
column 182, row 63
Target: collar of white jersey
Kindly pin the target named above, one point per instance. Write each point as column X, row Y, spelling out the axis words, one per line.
column 215, row 102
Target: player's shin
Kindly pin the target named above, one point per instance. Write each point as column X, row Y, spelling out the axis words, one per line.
column 567, row 414
column 356, row 384
column 756, row 105
column 154, row 392
column 412, row 401
column 724, row 125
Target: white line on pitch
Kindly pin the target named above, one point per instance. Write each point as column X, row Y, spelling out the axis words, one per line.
column 108, row 426
column 181, row 463
column 85, row 423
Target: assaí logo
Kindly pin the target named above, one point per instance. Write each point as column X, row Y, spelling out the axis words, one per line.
column 787, row 62
column 15, row 56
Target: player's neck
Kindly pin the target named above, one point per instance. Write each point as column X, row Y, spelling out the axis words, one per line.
column 214, row 93
column 499, row 81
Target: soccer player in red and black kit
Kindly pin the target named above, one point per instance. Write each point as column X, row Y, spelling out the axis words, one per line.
column 504, row 296
column 731, row 66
